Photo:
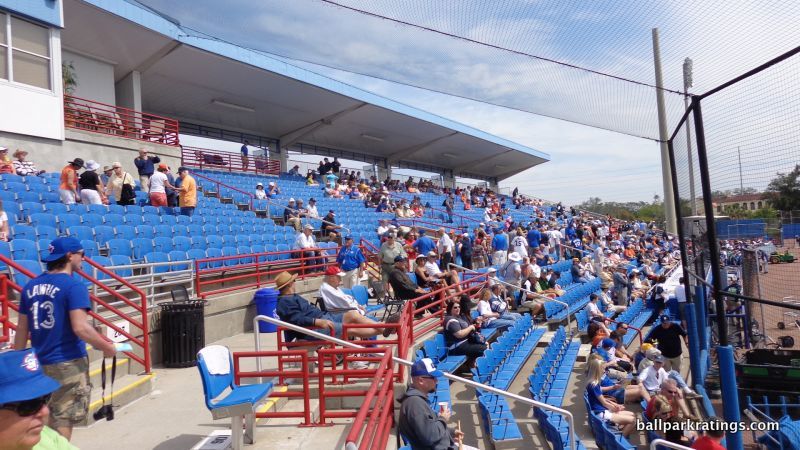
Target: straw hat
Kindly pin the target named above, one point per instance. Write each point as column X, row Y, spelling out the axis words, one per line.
column 284, row 279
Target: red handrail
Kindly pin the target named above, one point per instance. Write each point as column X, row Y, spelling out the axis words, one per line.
column 376, row 432
column 89, row 115
column 143, row 343
column 227, row 186
column 204, row 158
column 6, row 305
column 433, row 208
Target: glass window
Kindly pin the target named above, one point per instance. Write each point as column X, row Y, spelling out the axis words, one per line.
column 32, row 70
column 3, row 63
column 30, row 37
column 3, row 39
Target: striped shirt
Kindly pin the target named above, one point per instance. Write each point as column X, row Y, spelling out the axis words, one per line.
column 25, row 168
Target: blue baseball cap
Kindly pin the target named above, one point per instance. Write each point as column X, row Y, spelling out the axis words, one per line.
column 664, row 318
column 21, row 377
column 348, row 238
column 61, row 246
column 608, row 342
column 424, row 368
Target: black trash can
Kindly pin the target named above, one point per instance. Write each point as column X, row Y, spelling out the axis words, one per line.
column 182, row 333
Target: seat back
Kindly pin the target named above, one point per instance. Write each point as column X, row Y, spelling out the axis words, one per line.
column 214, row 384
column 360, row 294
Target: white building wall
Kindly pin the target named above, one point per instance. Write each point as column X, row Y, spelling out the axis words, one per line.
column 95, row 78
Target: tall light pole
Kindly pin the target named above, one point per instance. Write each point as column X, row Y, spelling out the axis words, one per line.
column 687, row 83
column 666, row 177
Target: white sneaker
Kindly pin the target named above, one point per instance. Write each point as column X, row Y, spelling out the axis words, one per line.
column 359, row 365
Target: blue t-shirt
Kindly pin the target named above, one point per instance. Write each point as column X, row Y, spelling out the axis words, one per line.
column 534, row 237
column 47, row 301
column 594, row 394
column 423, row 245
column 244, row 150
column 499, row 242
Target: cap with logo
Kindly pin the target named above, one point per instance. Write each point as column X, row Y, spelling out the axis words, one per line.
column 424, row 368
column 22, row 378
column 59, row 247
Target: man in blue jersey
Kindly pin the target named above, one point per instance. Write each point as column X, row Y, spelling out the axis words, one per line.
column 424, row 245
column 54, row 309
column 245, row 155
column 534, row 239
column 352, row 262
column 499, row 247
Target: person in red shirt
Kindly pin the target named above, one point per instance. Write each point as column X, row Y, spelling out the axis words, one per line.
column 711, row 439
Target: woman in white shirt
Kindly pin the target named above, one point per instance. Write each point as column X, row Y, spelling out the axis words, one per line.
column 494, row 311
column 3, row 224
column 260, row 193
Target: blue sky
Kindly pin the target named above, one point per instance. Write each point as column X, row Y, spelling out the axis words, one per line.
column 613, row 36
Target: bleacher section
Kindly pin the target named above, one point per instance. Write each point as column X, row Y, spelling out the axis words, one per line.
column 577, row 296
column 636, row 316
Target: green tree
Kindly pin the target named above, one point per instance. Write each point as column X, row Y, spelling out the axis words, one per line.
column 784, row 190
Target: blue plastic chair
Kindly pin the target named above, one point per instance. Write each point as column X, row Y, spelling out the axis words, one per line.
column 98, row 209
column 141, row 247
column 24, row 232
column 31, row 265
column 169, row 220
column 178, row 255
column 125, row 232
column 134, row 210
column 28, row 208
column 81, row 232
column 133, row 219
column 230, row 251
column 182, row 243
column 162, row 244
column 103, row 234
column 180, row 230
column 121, row 260
column 148, row 209
column 145, row 231
column 92, row 219
column 157, row 257
column 195, row 254
column 214, row 241
column 90, row 248
column 152, row 219
column 213, row 252
column 68, row 221
column 57, row 209
column 104, row 262
column 114, row 219
column 163, row 231
column 237, row 402
column 24, row 249
column 119, row 247
column 116, row 209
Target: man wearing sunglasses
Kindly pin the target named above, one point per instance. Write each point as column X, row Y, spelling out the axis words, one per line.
column 54, row 309
column 24, row 393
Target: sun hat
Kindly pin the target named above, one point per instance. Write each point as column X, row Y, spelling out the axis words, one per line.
column 59, row 247
column 283, row 279
column 514, row 256
column 76, row 162
column 91, row 165
column 308, row 226
column 116, row 164
column 22, row 378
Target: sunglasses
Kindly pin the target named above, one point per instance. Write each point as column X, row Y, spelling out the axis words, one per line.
column 27, row 408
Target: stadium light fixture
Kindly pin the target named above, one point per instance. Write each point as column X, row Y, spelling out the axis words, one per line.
column 233, row 106
column 449, row 155
column 370, row 137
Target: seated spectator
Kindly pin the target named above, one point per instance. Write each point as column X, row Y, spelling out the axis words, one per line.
column 307, row 246
column 298, row 311
column 593, row 310
column 291, row 216
column 403, row 287
column 654, row 375
column 328, row 228
column 578, row 272
column 606, row 409
column 260, row 193
column 530, row 298
column 23, row 167
column 620, row 388
column 91, row 187
column 448, row 277
column 605, row 297
column 423, row 280
column 334, row 297
column 273, row 190
column 494, row 310
column 311, row 209
column 295, row 171
column 422, row 426
column 542, row 286
column 310, row 180
column 4, row 229
column 6, row 165
column 461, row 337
column 24, row 414
column 668, row 389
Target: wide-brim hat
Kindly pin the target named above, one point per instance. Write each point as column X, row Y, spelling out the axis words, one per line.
column 284, row 279
column 92, row 165
column 76, row 162
column 22, row 378
column 514, row 256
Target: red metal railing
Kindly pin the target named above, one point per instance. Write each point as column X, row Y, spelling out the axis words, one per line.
column 376, row 432
column 432, row 226
column 464, row 220
column 220, row 185
column 302, row 373
column 204, row 158
column 83, row 114
column 142, row 343
column 6, row 306
column 258, row 270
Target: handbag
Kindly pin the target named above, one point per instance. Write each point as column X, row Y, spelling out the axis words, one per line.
column 126, row 196
column 476, row 338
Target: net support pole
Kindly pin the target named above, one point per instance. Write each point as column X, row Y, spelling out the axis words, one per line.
column 727, row 372
column 663, row 135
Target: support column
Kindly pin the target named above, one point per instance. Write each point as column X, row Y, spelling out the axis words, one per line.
column 384, row 171
column 449, row 180
column 283, row 157
column 669, row 196
column 129, row 91
column 493, row 185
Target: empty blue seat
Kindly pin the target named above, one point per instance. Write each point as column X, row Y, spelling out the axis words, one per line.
column 163, row 231
column 133, row 219
column 145, row 231
column 162, row 244
column 104, row 262
column 28, row 208
column 78, row 208
column 214, row 241
column 57, row 209
column 230, row 251
column 24, row 232
column 33, row 266
column 103, row 234
column 180, row 230
column 98, row 209
column 195, row 254
column 92, row 219
column 213, row 252
column 116, row 209
column 178, row 255
column 43, row 219
column 16, row 186
column 25, row 249
column 169, row 220
column 134, row 210
column 199, row 242
column 11, row 178
column 68, row 221
column 81, row 232
column 194, row 229
column 245, row 250
column 125, row 232
column 119, row 247
column 158, row 257
column 114, row 219
column 49, row 197
column 182, row 243
column 141, row 247
column 183, row 220
column 229, row 240
column 90, row 248
column 148, row 209
column 121, row 260
column 152, row 219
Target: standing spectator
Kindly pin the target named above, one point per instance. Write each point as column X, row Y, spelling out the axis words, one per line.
column 22, row 167
column 291, row 216
column 24, row 393
column 465, row 250
column 446, row 248
column 68, row 187
column 680, row 297
column 499, row 247
column 92, row 190
column 4, row 230
column 669, row 336
column 171, row 188
column 245, row 155
column 6, row 165
column 534, row 238
column 187, row 192
column 117, row 182
column 106, row 175
column 158, row 186
column 422, row 426
column 335, row 165
column 352, row 262
column 520, row 243
column 711, row 439
column 388, row 253
column 53, row 308
column 621, row 285
column 423, row 245
column 448, row 207
column 146, row 165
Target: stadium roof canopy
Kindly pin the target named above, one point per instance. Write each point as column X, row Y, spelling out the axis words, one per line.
column 213, row 83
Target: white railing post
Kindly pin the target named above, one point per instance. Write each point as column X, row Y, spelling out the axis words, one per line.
column 324, row 337
column 656, row 442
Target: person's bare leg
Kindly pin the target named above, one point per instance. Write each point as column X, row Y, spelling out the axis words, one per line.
column 356, row 318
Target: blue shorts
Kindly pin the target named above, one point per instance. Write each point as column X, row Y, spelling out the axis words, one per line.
column 336, row 318
column 619, row 395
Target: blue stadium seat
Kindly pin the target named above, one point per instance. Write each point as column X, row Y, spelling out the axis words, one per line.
column 163, row 231
column 214, row 241
column 182, row 243
column 50, row 197
column 19, row 231
column 198, row 219
column 81, row 232
column 141, row 247
column 125, row 232
column 90, row 248
column 114, row 219
column 8, row 197
column 162, row 244
column 68, row 221
column 148, row 209
column 133, row 219
column 16, row 186
column 134, row 209
column 152, row 219
column 78, row 208
column 180, row 230
column 29, row 196
column 5, row 250
column 44, row 247
column 98, row 209
column 178, row 255
column 57, row 209
column 92, row 219
column 195, row 254
column 31, row 265
column 244, row 250
column 103, row 234
column 116, row 209
column 229, row 240
column 45, row 232
column 119, row 247
column 169, row 220
column 29, row 208
column 43, row 219
column 212, row 252
column 145, row 231
column 209, row 229
column 230, row 251
column 25, row 249
column 11, row 178
column 157, row 257
column 183, row 220
column 194, row 229
column 121, row 260
column 199, row 242
column 242, row 239
column 104, row 262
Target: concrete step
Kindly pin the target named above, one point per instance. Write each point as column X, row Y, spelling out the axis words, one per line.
column 95, row 369
column 127, row 389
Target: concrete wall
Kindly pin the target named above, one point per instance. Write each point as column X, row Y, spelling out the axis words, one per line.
column 52, row 155
column 95, row 78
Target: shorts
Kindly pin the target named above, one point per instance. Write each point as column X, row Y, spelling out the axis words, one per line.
column 69, row 404
column 336, row 318
column 619, row 395
column 606, row 415
column 158, row 199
